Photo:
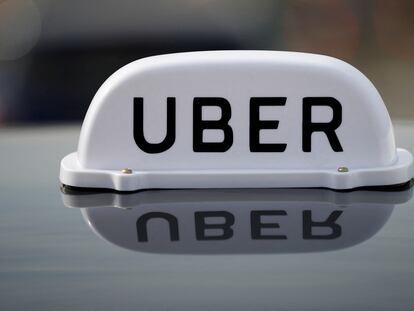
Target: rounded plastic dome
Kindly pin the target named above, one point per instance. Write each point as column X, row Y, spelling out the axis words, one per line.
column 237, row 119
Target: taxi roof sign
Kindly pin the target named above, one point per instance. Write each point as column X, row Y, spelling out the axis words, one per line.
column 236, row 119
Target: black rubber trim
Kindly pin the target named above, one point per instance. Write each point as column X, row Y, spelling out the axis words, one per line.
column 71, row 190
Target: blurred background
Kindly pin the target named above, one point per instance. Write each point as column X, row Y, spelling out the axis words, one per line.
column 54, row 55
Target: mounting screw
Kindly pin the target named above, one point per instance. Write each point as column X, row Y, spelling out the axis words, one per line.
column 343, row 169
column 126, row 171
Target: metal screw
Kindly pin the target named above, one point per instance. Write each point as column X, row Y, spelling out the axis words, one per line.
column 126, row 171
column 343, row 169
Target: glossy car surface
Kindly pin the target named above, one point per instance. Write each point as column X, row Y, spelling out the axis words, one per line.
column 86, row 251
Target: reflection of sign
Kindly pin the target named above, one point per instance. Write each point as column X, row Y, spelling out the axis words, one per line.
column 236, row 119
column 236, row 221
column 204, row 223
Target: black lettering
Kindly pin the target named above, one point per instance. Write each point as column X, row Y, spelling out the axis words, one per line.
column 139, row 127
column 199, row 125
column 201, row 226
column 143, row 220
column 257, row 225
column 308, row 224
column 308, row 128
column 256, row 124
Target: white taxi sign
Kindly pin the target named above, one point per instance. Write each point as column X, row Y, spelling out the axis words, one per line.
column 236, row 119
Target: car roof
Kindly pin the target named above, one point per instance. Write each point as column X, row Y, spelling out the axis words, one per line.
column 73, row 249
